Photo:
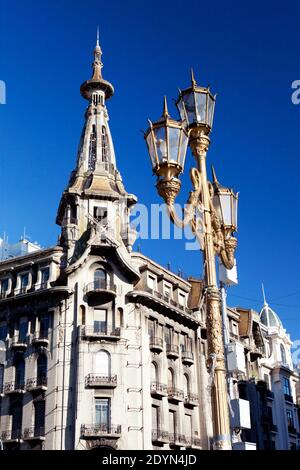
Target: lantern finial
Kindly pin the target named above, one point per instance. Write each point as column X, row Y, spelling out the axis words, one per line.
column 214, row 177
column 193, row 78
column 165, row 110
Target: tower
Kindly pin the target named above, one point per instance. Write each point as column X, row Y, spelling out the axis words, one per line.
column 95, row 202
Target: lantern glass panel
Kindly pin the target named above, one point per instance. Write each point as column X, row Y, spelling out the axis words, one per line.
column 183, row 147
column 234, row 211
column 217, row 206
column 161, row 144
column 201, row 107
column 189, row 101
column 174, row 135
column 210, row 111
column 181, row 110
column 151, row 149
column 225, row 200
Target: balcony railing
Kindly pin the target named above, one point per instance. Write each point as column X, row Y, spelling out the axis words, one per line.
column 288, row 398
column 34, row 432
column 191, row 399
column 95, row 380
column 155, row 344
column 99, row 285
column 168, row 300
column 292, row 429
column 160, row 436
column 11, row 435
column 39, row 383
column 104, row 330
column 95, row 430
column 40, row 338
column 175, row 394
column 158, row 388
column 14, row 387
column 196, row 442
column 177, row 439
column 172, row 350
column 187, row 357
column 273, row 427
column 270, row 395
column 18, row 342
column 21, row 290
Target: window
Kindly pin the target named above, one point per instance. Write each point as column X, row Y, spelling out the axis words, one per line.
column 82, row 314
column 42, row 367
column 172, row 422
column 282, row 354
column 39, row 417
column 235, row 329
column 286, row 386
column 3, row 332
column 188, row 430
column 93, row 149
column 45, row 273
column 186, row 385
column 100, row 321
column 44, row 326
column 102, row 364
column 168, row 335
column 151, row 329
column 1, row 377
column 23, row 329
column 153, row 372
column 170, row 378
column 100, row 279
column 19, row 372
column 16, row 412
column 4, row 286
column 155, row 417
column 105, row 148
column 290, row 419
column 182, row 299
column 102, row 413
column 168, row 290
column 151, row 282
column 24, row 281
column 100, row 214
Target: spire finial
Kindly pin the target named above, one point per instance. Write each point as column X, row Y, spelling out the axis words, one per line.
column 264, row 295
column 165, row 111
column 97, row 64
column 97, row 43
column 193, row 78
column 214, row 176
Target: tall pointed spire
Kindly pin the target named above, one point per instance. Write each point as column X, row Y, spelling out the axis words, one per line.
column 214, row 176
column 165, row 109
column 193, row 78
column 264, row 295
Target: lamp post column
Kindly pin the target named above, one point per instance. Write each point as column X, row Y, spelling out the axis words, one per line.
column 199, row 143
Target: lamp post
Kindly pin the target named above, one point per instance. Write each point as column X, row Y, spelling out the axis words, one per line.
column 211, row 212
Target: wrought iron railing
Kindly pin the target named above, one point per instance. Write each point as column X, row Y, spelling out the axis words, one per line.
column 159, row 435
column 100, row 429
column 159, row 388
column 187, row 356
column 34, row 432
column 17, row 340
column 155, row 342
column 101, row 330
column 36, row 382
column 177, row 439
column 99, row 285
column 172, row 349
column 175, row 393
column 40, row 336
column 191, row 399
column 94, row 380
column 14, row 386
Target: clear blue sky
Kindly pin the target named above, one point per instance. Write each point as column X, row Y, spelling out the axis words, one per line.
column 247, row 51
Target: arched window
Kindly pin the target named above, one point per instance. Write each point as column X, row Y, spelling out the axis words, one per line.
column 170, row 378
column 186, row 385
column 19, row 372
column 153, row 372
column 100, row 279
column 120, row 317
column 105, row 149
column 102, row 364
column 283, row 354
column 82, row 314
column 41, row 372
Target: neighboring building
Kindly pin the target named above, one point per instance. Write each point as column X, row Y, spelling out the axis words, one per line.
column 101, row 346
column 24, row 246
column 263, row 374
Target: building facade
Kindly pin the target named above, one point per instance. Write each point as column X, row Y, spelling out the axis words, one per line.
column 102, row 347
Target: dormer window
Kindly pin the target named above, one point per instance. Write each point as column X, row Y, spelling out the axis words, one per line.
column 4, row 286
column 151, row 282
column 45, row 274
column 167, row 290
column 182, row 299
column 24, row 282
column 100, row 214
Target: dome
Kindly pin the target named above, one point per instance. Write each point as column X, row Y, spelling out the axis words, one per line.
column 269, row 318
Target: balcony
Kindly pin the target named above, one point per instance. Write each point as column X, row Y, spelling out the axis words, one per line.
column 196, row 442
column 156, row 344
column 292, row 430
column 13, row 387
column 175, row 395
column 158, row 389
column 40, row 339
column 92, row 431
column 191, row 400
column 187, row 357
column 100, row 290
column 100, row 381
column 288, row 398
column 177, row 440
column 172, row 351
column 14, row 435
column 273, row 427
column 18, row 343
column 36, row 384
column 105, row 331
column 34, row 433
column 159, row 436
column 270, row 395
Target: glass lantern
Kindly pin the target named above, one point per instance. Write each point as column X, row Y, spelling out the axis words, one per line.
column 225, row 202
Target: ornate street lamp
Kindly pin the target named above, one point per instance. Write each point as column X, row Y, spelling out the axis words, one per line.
column 212, row 214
